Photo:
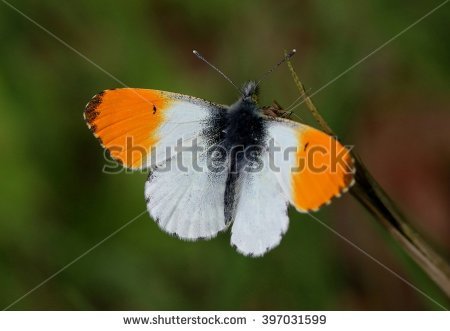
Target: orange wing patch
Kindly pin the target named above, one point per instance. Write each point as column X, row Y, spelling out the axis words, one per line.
column 126, row 121
column 324, row 170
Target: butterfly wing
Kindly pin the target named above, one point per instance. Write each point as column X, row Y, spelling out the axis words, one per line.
column 314, row 167
column 300, row 165
column 141, row 128
column 150, row 128
column 186, row 197
column 261, row 214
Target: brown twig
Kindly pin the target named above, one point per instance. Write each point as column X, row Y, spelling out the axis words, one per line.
column 369, row 193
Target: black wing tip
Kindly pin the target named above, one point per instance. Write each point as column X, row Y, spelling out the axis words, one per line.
column 90, row 111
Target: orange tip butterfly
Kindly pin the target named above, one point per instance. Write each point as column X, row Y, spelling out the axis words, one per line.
column 215, row 166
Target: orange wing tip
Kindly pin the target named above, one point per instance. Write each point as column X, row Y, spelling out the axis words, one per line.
column 349, row 182
column 341, row 192
column 126, row 122
column 312, row 189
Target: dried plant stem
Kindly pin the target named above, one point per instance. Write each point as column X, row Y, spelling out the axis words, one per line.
column 369, row 193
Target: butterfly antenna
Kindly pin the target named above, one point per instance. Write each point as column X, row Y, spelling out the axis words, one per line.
column 197, row 54
column 285, row 58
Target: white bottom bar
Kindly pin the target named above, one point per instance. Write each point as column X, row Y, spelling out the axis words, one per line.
column 229, row 320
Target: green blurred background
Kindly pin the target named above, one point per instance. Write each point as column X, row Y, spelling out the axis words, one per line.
column 56, row 203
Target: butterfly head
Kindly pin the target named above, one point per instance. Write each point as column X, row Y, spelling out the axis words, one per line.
column 250, row 92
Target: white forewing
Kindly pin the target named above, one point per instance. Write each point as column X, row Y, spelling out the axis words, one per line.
column 184, row 121
column 285, row 141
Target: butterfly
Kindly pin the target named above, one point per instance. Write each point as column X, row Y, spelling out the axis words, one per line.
column 215, row 167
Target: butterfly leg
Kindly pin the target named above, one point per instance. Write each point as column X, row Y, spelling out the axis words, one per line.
column 275, row 110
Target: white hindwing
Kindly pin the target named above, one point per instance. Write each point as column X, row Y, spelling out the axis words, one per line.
column 185, row 201
column 261, row 216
